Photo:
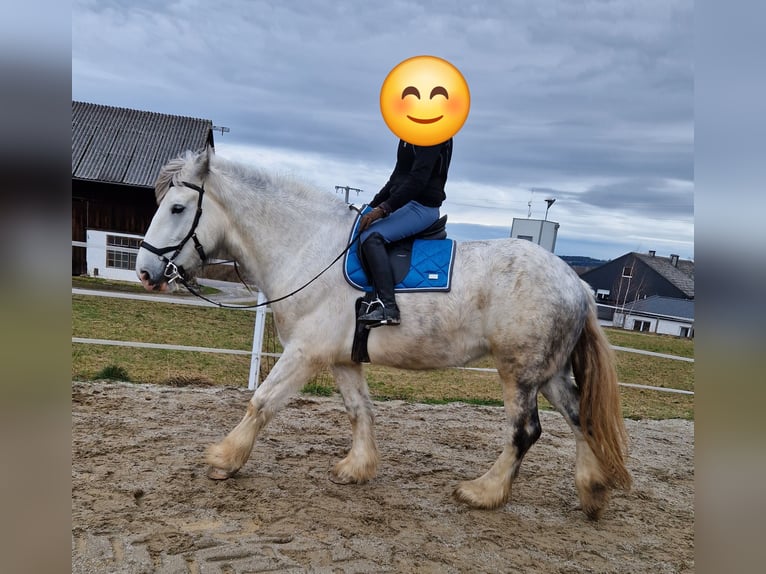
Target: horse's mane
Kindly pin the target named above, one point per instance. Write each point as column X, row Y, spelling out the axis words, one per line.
column 169, row 172
column 237, row 173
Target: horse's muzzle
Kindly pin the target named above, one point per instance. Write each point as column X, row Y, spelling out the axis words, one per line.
column 150, row 285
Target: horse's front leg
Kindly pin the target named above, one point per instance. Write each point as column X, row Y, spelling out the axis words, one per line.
column 361, row 463
column 290, row 373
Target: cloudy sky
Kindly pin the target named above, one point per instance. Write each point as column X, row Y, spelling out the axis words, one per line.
column 589, row 102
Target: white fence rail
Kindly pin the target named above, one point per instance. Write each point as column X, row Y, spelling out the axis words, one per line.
column 257, row 352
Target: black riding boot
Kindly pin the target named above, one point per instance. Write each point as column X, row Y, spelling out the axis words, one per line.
column 383, row 311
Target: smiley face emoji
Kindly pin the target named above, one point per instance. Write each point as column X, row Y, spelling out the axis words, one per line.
column 425, row 100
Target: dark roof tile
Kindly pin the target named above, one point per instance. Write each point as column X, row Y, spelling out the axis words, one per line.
column 666, row 306
column 120, row 145
column 680, row 275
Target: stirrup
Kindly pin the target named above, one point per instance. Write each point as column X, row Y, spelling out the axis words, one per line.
column 380, row 316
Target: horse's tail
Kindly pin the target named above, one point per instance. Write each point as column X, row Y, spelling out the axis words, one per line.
column 601, row 421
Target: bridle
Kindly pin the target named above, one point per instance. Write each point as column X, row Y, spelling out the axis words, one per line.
column 172, row 271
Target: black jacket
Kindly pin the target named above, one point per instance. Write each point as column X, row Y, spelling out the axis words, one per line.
column 419, row 175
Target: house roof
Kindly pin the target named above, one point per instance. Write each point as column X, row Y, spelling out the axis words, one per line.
column 680, row 275
column 120, row 145
column 665, row 306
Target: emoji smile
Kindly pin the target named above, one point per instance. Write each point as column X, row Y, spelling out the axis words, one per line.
column 426, row 121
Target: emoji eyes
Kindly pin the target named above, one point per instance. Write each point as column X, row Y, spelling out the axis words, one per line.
column 438, row 90
column 410, row 91
column 413, row 91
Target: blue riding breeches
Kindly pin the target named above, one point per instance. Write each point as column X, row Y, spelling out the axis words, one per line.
column 408, row 220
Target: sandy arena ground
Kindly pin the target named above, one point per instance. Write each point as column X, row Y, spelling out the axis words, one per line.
column 141, row 501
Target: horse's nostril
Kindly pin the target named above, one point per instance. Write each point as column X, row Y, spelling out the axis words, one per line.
column 145, row 278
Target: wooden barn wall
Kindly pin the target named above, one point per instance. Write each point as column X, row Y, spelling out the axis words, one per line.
column 107, row 207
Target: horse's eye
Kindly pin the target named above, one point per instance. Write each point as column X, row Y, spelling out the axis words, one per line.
column 177, row 208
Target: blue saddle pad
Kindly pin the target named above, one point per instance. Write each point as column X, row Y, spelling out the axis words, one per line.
column 430, row 267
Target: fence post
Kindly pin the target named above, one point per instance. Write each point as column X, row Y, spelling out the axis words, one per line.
column 255, row 357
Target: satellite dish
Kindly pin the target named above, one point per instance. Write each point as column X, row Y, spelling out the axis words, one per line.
column 550, row 201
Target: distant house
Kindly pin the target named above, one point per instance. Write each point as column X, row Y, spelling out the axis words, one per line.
column 581, row 263
column 117, row 154
column 636, row 276
column 657, row 314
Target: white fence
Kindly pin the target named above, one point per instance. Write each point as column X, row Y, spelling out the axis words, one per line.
column 257, row 353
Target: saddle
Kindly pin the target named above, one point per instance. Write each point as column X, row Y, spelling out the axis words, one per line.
column 422, row 262
column 400, row 252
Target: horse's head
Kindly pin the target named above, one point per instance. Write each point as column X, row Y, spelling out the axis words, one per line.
column 179, row 238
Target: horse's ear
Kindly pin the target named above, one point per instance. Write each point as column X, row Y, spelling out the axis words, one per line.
column 203, row 161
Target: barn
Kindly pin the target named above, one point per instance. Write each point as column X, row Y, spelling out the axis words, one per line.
column 116, row 156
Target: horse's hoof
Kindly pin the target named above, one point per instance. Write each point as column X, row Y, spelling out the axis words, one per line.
column 218, row 473
column 474, row 494
column 342, row 479
column 338, row 480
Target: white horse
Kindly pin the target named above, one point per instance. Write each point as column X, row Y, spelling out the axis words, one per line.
column 510, row 298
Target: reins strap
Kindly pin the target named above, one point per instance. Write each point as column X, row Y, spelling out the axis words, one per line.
column 191, row 290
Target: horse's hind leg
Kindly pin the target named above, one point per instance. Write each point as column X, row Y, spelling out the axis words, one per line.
column 289, row 374
column 361, row 463
column 590, row 481
column 493, row 489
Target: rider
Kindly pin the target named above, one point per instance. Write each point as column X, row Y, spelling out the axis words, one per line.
column 407, row 204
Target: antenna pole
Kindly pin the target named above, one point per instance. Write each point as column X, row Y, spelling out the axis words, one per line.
column 347, row 189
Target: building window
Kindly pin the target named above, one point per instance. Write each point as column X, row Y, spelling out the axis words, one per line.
column 642, row 326
column 685, row 332
column 121, row 251
column 602, row 294
column 627, row 271
column 527, row 237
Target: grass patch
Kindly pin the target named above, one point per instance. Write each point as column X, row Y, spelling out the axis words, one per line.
column 113, row 373
column 158, row 366
column 667, row 344
column 319, row 389
column 155, row 322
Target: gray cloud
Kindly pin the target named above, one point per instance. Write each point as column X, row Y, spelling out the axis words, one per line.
column 561, row 92
column 649, row 198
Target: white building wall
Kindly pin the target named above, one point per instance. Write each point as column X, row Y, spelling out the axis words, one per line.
column 538, row 231
column 667, row 327
column 96, row 256
column 656, row 325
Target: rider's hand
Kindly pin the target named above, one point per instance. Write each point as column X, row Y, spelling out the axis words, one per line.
column 370, row 217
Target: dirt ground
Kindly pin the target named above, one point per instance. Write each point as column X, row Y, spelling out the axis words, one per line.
column 141, row 501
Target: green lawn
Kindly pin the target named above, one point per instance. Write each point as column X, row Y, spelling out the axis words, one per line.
column 129, row 320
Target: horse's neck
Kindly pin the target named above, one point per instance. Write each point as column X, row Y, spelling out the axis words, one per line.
column 283, row 239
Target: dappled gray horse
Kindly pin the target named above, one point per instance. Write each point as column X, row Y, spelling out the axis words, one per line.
column 510, row 299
